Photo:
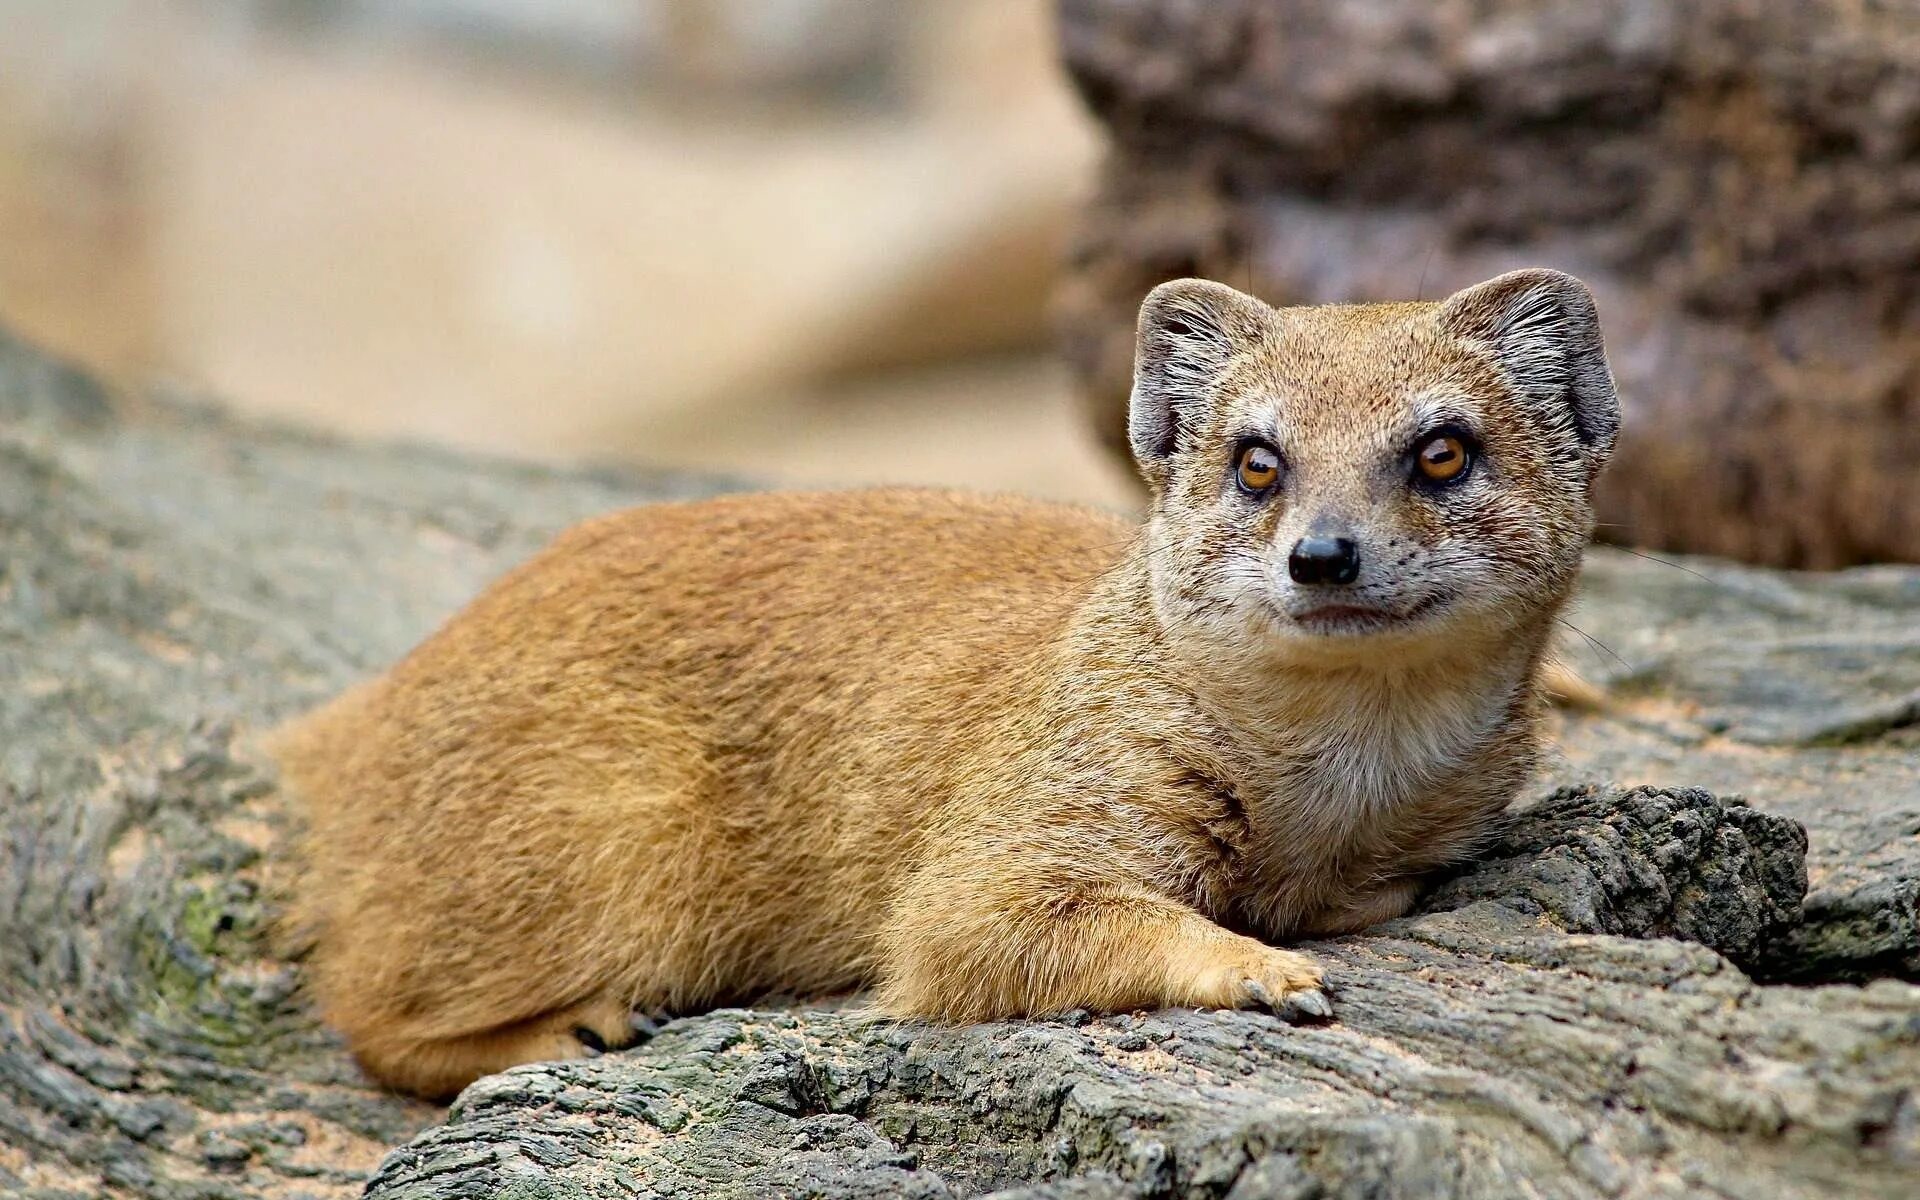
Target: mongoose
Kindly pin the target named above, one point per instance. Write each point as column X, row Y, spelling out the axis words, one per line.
column 991, row 757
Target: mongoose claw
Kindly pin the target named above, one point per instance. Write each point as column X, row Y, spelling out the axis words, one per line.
column 1307, row 1006
column 592, row 1045
column 644, row 1024
column 1296, row 1008
column 1261, row 996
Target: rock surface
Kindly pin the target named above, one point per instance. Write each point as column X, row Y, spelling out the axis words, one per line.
column 1739, row 182
column 1619, row 1000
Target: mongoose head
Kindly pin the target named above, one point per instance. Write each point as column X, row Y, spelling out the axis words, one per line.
column 1330, row 480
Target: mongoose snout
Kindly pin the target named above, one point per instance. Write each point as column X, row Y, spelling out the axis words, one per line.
column 989, row 757
column 1319, row 558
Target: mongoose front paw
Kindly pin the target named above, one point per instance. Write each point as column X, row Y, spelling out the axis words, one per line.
column 641, row 1025
column 1286, row 984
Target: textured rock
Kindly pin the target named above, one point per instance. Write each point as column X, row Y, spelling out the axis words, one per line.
column 1740, row 183
column 1798, row 690
column 1586, row 1012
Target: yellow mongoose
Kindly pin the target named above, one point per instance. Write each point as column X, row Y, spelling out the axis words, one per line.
column 993, row 757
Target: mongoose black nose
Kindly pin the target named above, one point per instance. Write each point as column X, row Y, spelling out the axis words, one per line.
column 1317, row 559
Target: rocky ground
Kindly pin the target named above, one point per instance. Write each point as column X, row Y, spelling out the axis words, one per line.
column 1623, row 999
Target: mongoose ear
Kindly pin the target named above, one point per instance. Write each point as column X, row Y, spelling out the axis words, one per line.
column 1189, row 330
column 1544, row 330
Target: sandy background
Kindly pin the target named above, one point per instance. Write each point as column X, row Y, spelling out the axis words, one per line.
column 811, row 241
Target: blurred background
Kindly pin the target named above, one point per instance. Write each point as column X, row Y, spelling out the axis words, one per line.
column 805, row 241
column 851, row 241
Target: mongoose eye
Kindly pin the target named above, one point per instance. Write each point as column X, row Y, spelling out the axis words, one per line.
column 1259, row 467
column 1443, row 458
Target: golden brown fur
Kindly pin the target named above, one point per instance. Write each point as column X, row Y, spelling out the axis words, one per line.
column 994, row 756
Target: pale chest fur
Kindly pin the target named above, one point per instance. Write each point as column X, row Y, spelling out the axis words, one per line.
column 1349, row 786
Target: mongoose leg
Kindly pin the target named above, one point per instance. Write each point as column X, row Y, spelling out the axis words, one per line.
column 440, row 1066
column 1110, row 951
column 1383, row 903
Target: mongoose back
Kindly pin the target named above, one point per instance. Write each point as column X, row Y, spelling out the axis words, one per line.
column 988, row 756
